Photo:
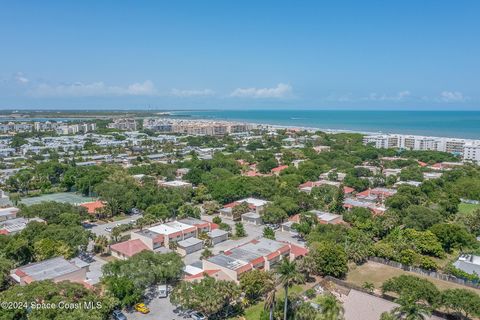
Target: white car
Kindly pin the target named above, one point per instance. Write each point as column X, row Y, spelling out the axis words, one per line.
column 198, row 316
column 108, row 229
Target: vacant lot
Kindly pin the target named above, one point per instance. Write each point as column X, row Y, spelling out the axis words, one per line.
column 377, row 273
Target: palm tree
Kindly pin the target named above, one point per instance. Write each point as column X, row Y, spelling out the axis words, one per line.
column 306, row 311
column 289, row 275
column 332, row 309
column 270, row 301
column 409, row 309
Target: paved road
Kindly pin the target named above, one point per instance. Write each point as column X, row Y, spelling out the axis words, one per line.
column 99, row 229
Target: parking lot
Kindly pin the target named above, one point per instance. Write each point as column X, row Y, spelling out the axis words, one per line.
column 160, row 309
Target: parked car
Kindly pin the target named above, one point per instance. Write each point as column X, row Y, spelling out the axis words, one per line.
column 142, row 308
column 198, row 316
column 118, row 315
column 108, row 229
column 162, row 291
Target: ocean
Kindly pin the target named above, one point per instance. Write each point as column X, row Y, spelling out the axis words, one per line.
column 455, row 124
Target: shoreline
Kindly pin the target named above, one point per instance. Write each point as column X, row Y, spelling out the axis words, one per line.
column 314, row 129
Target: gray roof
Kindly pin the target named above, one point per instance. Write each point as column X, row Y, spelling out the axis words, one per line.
column 227, row 261
column 468, row 263
column 242, row 254
column 148, row 233
column 49, row 269
column 192, row 221
column 252, row 215
column 363, row 306
column 216, row 233
column 189, row 242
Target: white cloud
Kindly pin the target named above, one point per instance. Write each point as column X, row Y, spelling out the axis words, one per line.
column 280, row 91
column 21, row 78
column 452, row 96
column 192, row 93
column 80, row 89
column 402, row 95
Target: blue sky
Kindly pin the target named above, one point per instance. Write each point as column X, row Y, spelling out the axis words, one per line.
column 240, row 54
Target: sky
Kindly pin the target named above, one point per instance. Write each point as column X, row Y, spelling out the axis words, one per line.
column 389, row 55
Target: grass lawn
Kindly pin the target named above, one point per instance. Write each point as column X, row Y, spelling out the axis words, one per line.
column 377, row 273
column 254, row 312
column 467, row 207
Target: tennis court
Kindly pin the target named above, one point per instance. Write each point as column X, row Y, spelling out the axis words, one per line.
column 65, row 197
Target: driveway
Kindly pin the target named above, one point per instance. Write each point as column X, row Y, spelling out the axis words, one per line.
column 95, row 271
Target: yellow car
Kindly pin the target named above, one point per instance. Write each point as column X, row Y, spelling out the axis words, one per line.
column 142, row 308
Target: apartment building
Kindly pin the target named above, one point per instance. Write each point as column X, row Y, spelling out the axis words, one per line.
column 174, row 231
column 467, row 148
column 55, row 269
column 125, row 124
column 195, row 127
column 261, row 254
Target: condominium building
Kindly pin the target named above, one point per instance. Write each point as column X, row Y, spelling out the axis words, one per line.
column 467, row 148
column 125, row 124
column 195, row 127
column 260, row 254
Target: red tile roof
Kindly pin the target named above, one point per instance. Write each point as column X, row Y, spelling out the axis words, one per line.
column 348, row 190
column 298, row 251
column 3, row 231
column 93, row 207
column 279, row 168
column 129, row 248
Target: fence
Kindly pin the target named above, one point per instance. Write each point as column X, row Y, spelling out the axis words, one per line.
column 428, row 273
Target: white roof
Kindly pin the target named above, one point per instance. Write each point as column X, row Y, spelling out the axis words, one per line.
column 8, row 211
column 175, row 183
column 189, row 269
column 170, row 227
column 253, row 201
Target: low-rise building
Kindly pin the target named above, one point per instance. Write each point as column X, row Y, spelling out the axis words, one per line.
column 175, row 184
column 260, row 254
column 252, row 218
column 8, row 213
column 55, row 269
column 127, row 249
column 189, row 245
column 468, row 263
column 217, row 236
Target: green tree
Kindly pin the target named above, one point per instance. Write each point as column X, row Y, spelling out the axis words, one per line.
column 5, row 266
column 330, row 259
column 305, row 311
column 240, row 230
column 159, row 211
column 410, row 309
column 288, row 276
column 209, row 296
column 462, row 302
column 206, row 253
column 269, row 233
column 453, row 236
column 186, row 211
column 331, row 308
column 240, row 209
column 100, row 244
column 256, row 284
column 419, row 289
column 49, row 292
